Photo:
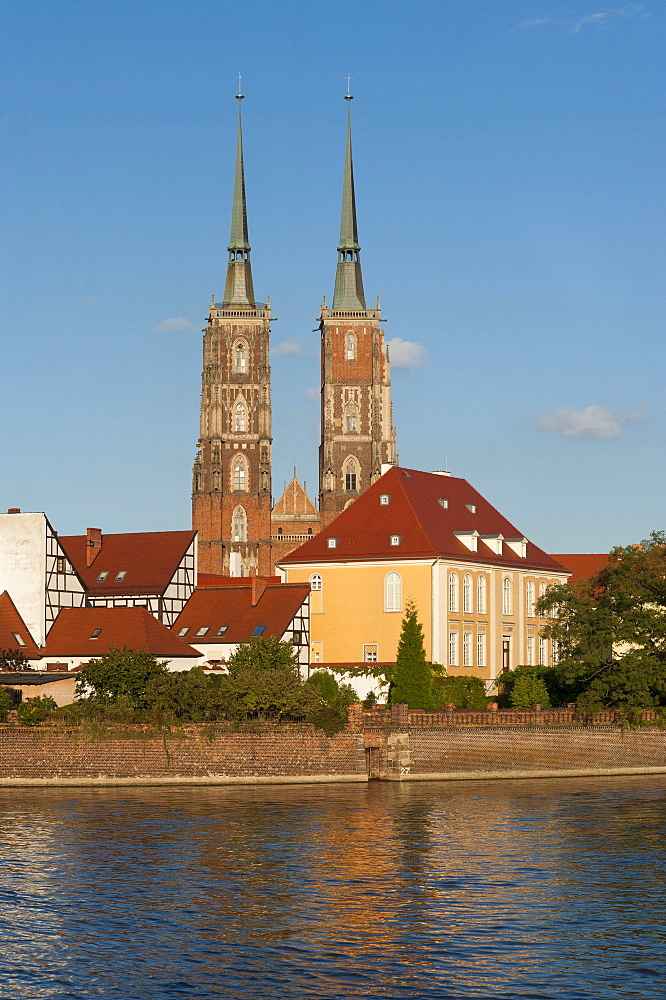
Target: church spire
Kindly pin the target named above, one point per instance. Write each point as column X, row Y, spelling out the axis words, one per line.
column 238, row 289
column 348, row 294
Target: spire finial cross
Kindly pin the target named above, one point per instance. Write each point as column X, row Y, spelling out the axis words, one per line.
column 239, row 95
column 348, row 96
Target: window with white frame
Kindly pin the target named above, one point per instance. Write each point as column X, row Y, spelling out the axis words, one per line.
column 239, row 525
column 453, row 649
column 350, row 346
column 384, row 499
column 453, row 591
column 239, row 418
column 542, row 589
column 481, row 594
column 481, row 649
column 239, row 474
column 370, row 652
column 240, row 356
column 315, row 582
column 396, row 539
column 530, row 599
column 506, row 596
column 554, row 652
column 467, row 594
column 467, row 649
column 392, row 592
column 530, row 651
column 542, row 651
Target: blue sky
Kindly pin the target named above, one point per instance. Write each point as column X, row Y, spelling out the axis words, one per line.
column 509, row 162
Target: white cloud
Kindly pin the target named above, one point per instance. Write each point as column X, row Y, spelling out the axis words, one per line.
column 312, row 393
column 406, row 353
column 286, row 347
column 592, row 422
column 601, row 16
column 537, row 22
column 175, row 324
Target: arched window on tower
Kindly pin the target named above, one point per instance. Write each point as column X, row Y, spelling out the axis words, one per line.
column 239, row 418
column 240, row 358
column 350, row 346
column 392, row 592
column 351, row 475
column 239, row 474
column 239, row 525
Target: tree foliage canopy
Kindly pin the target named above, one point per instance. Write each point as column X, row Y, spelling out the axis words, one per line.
column 611, row 629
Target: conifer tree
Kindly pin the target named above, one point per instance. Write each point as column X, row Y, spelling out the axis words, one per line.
column 412, row 678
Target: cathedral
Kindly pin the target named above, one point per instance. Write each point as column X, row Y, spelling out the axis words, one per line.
column 240, row 532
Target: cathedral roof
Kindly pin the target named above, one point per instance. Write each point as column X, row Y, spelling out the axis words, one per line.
column 72, row 633
column 147, row 561
column 295, row 502
column 240, row 610
column 13, row 626
column 407, row 514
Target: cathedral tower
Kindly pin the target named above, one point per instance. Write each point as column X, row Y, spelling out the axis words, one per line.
column 231, row 482
column 357, row 432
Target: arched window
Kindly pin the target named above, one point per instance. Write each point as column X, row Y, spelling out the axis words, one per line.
column 467, row 594
column 453, row 592
column 239, row 418
column 481, row 594
column 240, row 358
column 530, row 599
column 506, row 596
column 350, row 346
column 239, row 474
column 351, row 476
column 315, row 582
column 239, row 525
column 351, row 420
column 392, row 592
column 542, row 593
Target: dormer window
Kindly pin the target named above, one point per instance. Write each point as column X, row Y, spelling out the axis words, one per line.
column 471, row 507
column 102, row 576
column 332, row 543
column 96, row 633
column 443, row 503
column 396, row 539
column 184, row 631
column 120, row 576
column 19, row 638
column 384, row 500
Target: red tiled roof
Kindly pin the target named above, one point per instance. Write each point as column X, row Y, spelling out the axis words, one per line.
column 212, row 608
column 70, row 634
column 583, row 564
column 213, row 580
column 426, row 527
column 149, row 559
column 10, row 622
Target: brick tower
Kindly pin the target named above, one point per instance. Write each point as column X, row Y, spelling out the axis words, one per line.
column 231, row 481
column 357, row 432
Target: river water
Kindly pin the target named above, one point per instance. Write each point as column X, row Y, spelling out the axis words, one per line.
column 550, row 889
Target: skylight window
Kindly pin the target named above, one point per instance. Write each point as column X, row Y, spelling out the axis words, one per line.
column 102, row 576
column 259, row 630
column 96, row 633
column 121, row 575
column 184, row 631
column 19, row 638
column 221, row 630
column 202, row 630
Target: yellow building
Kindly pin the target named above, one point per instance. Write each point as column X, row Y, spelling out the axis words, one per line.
column 433, row 538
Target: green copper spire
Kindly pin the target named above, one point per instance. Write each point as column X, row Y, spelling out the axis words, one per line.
column 238, row 289
column 348, row 292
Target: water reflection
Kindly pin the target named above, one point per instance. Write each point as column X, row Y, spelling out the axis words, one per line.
column 511, row 889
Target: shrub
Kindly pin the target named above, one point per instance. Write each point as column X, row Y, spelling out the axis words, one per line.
column 529, row 689
column 463, row 692
column 5, row 702
column 34, row 710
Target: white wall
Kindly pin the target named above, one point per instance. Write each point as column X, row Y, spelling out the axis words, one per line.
column 23, row 568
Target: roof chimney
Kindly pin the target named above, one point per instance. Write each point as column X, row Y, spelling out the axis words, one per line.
column 14, row 510
column 93, row 544
column 258, row 588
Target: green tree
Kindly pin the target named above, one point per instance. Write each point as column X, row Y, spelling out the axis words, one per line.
column 463, row 692
column 529, row 689
column 120, row 677
column 611, row 629
column 412, row 676
column 265, row 653
column 5, row 702
column 32, row 711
